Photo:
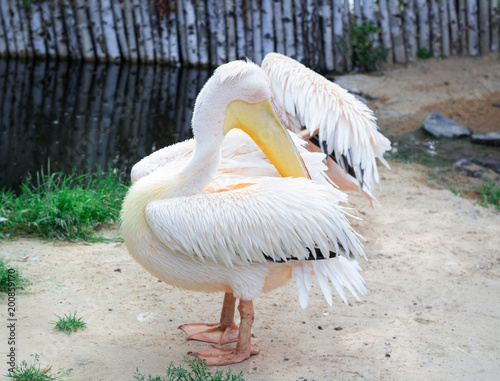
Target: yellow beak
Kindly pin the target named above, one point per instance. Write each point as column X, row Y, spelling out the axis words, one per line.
column 262, row 124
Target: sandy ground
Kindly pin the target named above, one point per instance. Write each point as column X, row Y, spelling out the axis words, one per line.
column 432, row 312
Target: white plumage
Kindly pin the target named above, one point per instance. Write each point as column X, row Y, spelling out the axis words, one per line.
column 346, row 128
column 213, row 215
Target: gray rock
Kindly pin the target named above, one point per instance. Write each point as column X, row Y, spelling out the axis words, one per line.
column 469, row 168
column 442, row 127
column 479, row 165
column 487, row 161
column 489, row 138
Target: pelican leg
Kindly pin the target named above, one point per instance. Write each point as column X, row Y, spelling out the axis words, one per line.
column 219, row 333
column 223, row 356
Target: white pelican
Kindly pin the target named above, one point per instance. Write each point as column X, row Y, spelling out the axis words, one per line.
column 205, row 223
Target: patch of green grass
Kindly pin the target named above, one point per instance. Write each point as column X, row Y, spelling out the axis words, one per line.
column 11, row 277
column 198, row 371
column 489, row 193
column 34, row 372
column 69, row 323
column 62, row 206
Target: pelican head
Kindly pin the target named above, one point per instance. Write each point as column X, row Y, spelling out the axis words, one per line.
column 238, row 96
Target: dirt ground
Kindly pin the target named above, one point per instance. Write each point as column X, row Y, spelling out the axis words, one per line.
column 433, row 270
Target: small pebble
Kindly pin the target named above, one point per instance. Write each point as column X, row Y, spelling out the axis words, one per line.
column 338, row 328
column 320, row 327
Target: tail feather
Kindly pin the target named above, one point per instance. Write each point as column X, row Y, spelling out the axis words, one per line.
column 342, row 273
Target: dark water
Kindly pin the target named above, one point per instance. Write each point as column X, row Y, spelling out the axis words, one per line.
column 78, row 115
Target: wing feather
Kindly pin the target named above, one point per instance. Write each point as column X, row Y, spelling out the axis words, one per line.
column 345, row 125
column 269, row 218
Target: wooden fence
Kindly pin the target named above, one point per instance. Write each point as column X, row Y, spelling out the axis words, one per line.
column 211, row 32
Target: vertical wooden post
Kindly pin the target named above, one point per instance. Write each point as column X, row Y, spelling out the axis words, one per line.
column 338, row 35
column 495, row 27
column 290, row 50
column 155, row 31
column 279, row 32
column 203, row 38
column 60, row 31
column 35, row 20
column 462, row 27
column 454, row 40
column 221, row 40
column 445, row 27
column 230, row 29
column 410, row 29
column 173, row 36
column 347, row 38
column 298, row 6
column 23, row 14
column 257, row 32
column 385, row 30
column 71, row 30
column 239, row 15
column 128, row 13
column 312, row 36
column 358, row 17
column 248, row 20
column 139, row 32
column 16, row 28
column 423, row 25
column 97, row 32
column 191, row 33
column 267, row 27
column 110, row 31
column 327, row 26
column 436, row 29
column 370, row 17
column 147, row 32
column 121, row 33
column 9, row 31
column 472, row 33
column 4, row 51
column 484, row 26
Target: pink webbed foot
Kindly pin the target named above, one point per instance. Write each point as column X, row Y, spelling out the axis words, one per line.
column 216, row 333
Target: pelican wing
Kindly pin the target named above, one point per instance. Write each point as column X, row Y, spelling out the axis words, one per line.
column 345, row 126
column 259, row 220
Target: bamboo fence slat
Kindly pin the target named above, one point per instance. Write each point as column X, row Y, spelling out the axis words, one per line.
column 279, row 31
column 472, row 28
column 4, row 51
column 454, row 37
column 121, row 33
column 128, row 17
column 230, row 29
column 495, row 26
column 8, row 29
column 288, row 28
